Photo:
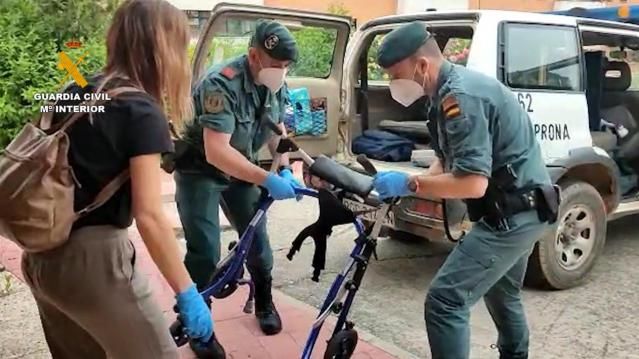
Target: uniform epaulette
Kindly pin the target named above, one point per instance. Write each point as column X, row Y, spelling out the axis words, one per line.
column 228, row 72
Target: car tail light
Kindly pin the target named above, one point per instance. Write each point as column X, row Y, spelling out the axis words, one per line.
column 427, row 208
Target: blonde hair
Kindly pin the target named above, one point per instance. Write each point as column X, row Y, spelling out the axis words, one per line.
column 147, row 42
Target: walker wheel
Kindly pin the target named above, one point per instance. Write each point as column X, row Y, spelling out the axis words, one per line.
column 230, row 287
column 226, row 291
column 342, row 345
column 211, row 350
column 177, row 332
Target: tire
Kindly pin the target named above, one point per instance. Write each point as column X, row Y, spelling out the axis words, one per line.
column 342, row 345
column 230, row 287
column 211, row 350
column 564, row 256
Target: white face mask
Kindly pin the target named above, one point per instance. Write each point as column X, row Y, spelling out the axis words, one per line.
column 271, row 77
column 405, row 91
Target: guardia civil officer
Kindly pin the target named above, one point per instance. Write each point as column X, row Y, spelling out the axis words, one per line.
column 487, row 155
column 221, row 166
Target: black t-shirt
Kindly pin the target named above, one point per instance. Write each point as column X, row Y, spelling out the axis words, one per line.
column 132, row 124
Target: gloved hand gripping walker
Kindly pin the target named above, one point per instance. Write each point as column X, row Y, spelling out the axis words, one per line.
column 346, row 182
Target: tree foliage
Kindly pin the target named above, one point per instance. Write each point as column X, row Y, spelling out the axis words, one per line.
column 33, row 31
column 316, row 47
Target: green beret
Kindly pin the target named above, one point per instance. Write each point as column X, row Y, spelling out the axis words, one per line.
column 275, row 39
column 401, row 43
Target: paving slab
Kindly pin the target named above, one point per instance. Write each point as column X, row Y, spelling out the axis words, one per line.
column 238, row 332
column 168, row 199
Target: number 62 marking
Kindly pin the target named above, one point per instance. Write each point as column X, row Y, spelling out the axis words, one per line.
column 525, row 100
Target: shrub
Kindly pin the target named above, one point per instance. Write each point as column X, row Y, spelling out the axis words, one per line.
column 316, row 52
column 33, row 31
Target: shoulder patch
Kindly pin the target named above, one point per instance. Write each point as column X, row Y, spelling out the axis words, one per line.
column 450, row 107
column 214, row 102
column 228, row 72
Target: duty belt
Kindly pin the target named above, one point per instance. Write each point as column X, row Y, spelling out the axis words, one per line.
column 497, row 207
column 514, row 203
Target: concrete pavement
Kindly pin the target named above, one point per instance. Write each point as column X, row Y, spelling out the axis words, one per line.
column 238, row 332
column 596, row 320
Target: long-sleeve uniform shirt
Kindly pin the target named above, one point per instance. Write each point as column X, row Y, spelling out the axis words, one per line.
column 227, row 100
column 478, row 127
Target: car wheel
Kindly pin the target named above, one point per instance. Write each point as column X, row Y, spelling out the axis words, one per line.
column 564, row 256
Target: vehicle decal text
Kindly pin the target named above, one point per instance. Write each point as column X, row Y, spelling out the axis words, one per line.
column 552, row 131
column 525, row 100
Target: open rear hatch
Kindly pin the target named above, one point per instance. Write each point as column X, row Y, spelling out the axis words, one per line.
column 314, row 81
column 373, row 109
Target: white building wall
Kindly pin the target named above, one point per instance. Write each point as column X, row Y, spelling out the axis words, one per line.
column 414, row 6
column 204, row 5
column 566, row 5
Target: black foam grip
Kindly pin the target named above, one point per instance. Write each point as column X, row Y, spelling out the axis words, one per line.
column 341, row 176
column 367, row 164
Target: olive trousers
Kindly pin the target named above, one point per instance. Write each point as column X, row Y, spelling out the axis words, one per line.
column 198, row 201
column 488, row 263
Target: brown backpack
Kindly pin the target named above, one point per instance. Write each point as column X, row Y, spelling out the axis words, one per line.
column 37, row 183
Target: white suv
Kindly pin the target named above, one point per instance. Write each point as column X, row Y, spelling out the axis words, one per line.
column 574, row 76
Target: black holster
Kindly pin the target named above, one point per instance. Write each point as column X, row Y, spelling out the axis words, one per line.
column 549, row 198
column 170, row 160
column 503, row 200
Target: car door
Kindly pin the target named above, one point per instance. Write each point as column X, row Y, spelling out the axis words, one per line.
column 542, row 64
column 321, row 39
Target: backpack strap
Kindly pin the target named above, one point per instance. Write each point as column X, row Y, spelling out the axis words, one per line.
column 45, row 121
column 106, row 193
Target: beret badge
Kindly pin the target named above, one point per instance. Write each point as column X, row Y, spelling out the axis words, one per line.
column 271, row 42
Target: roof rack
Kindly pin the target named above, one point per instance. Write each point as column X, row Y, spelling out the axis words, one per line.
column 622, row 13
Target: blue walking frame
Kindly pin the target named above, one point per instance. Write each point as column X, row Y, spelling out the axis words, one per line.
column 336, row 291
column 343, row 181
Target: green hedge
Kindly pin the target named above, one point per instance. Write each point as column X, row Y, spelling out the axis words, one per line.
column 316, row 47
column 32, row 32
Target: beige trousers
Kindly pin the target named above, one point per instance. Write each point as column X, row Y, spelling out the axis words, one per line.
column 93, row 301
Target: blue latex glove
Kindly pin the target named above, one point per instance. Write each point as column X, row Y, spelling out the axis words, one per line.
column 279, row 187
column 195, row 314
column 288, row 174
column 391, row 184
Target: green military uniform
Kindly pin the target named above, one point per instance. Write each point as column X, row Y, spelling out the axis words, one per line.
column 478, row 127
column 227, row 100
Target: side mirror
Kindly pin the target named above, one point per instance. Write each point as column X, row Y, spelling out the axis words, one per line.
column 618, row 55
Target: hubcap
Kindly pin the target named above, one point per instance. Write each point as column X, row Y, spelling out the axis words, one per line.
column 575, row 237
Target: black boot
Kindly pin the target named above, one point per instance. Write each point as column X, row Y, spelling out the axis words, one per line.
column 211, row 350
column 265, row 310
